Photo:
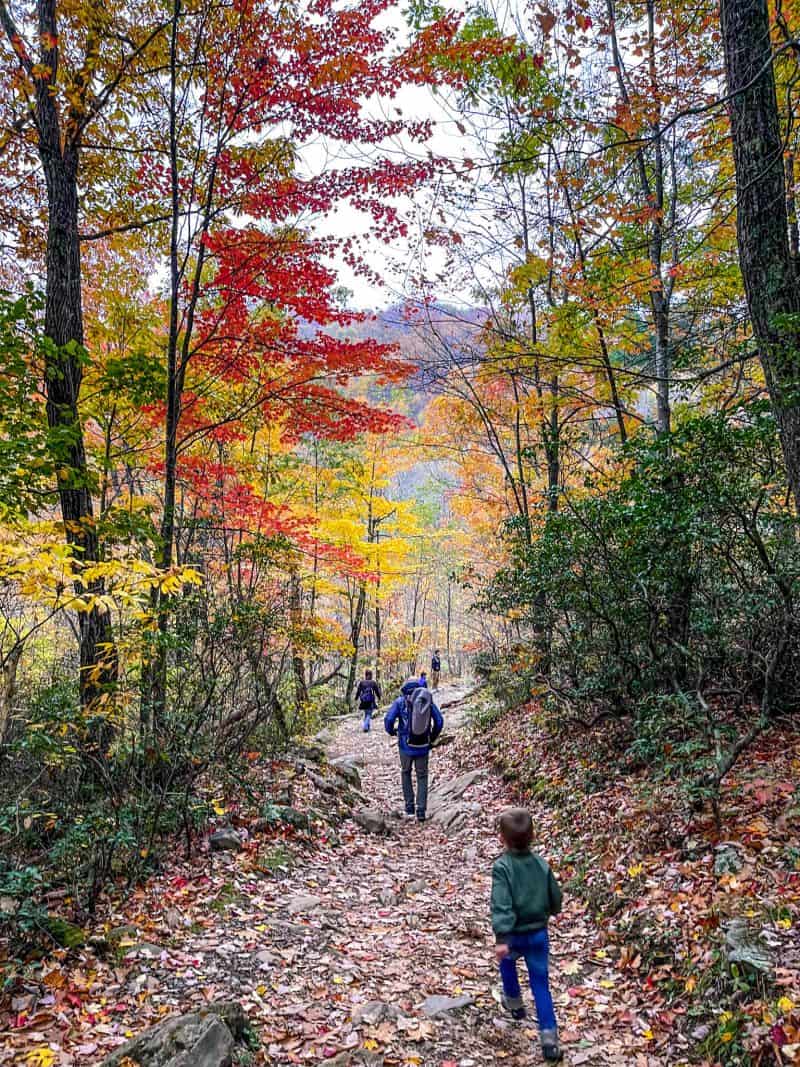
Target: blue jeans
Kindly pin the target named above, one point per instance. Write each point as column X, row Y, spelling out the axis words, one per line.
column 367, row 718
column 534, row 948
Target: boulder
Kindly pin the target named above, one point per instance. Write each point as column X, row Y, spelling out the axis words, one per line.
column 727, row 859
column 345, row 766
column 453, row 817
column 436, row 1006
column 746, row 950
column 281, row 814
column 453, row 790
column 314, row 753
column 372, row 820
column 225, row 840
column 358, row 759
column 205, row 1038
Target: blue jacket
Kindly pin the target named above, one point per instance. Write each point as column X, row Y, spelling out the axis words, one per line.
column 396, row 721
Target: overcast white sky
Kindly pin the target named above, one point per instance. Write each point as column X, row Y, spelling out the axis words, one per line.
column 392, row 260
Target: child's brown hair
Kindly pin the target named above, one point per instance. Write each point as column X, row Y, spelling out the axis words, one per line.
column 516, row 827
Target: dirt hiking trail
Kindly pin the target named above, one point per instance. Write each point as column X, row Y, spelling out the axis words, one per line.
column 370, row 945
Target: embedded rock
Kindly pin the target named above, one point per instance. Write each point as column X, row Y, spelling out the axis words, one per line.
column 727, row 859
column 373, row 1013
column 205, row 1038
column 372, row 820
column 225, row 840
column 746, row 950
column 453, row 790
column 436, row 1006
column 453, row 817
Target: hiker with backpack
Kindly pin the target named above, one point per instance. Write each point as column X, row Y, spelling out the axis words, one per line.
column 416, row 722
column 368, row 694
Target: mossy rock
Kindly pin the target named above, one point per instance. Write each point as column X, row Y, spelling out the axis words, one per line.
column 65, row 933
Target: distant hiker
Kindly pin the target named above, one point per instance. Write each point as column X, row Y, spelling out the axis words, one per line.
column 524, row 896
column 417, row 722
column 436, row 669
column 423, row 679
column 368, row 694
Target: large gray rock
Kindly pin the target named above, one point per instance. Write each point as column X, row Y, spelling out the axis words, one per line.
column 372, row 820
column 358, row 759
column 454, row 790
column 454, row 816
column 727, row 859
column 277, row 814
column 746, row 950
column 225, row 840
column 204, row 1038
column 435, row 1006
column 346, row 767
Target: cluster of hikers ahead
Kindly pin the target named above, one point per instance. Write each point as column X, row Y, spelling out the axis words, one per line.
column 525, row 893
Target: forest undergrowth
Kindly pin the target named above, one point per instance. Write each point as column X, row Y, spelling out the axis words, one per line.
column 698, row 909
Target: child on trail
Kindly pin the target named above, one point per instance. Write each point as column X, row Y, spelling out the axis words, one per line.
column 416, row 722
column 368, row 694
column 524, row 896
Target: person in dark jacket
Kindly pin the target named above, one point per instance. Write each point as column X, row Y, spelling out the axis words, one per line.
column 436, row 669
column 414, row 751
column 368, row 694
column 524, row 896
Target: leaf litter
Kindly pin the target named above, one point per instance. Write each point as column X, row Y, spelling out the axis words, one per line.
column 332, row 940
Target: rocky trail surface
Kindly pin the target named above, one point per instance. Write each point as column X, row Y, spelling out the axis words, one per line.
column 369, row 944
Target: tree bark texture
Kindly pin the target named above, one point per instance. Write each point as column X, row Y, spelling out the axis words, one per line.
column 59, row 155
column 767, row 265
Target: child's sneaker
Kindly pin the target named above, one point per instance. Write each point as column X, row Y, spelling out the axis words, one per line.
column 550, row 1047
column 516, row 1009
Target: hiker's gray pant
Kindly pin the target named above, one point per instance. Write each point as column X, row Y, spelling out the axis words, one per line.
column 420, row 764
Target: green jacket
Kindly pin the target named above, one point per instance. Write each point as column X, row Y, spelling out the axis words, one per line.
column 524, row 894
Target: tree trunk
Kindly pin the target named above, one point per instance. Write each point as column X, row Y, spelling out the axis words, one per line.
column 765, row 257
column 63, row 372
column 378, row 631
column 355, row 637
column 8, row 685
column 298, row 663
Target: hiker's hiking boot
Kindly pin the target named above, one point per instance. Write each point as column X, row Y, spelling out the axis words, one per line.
column 421, row 816
column 550, row 1047
column 514, row 1007
column 408, row 814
